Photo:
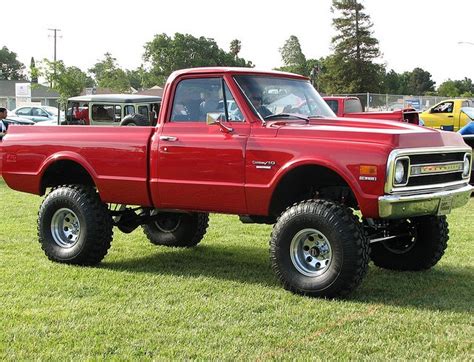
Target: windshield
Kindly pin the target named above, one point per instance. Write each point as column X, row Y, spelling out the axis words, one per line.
column 271, row 96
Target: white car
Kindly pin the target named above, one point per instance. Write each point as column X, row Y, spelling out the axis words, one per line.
column 38, row 113
column 51, row 122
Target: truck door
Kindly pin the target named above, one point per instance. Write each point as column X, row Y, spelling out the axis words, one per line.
column 200, row 162
column 440, row 116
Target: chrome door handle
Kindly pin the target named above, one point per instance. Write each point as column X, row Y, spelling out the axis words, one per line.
column 168, row 138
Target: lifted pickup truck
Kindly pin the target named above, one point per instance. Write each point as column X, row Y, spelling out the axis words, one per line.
column 225, row 143
column 352, row 107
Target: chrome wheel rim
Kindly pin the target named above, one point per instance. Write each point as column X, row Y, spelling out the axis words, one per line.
column 65, row 228
column 311, row 252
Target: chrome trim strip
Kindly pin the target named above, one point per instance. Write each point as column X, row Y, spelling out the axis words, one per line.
column 399, row 206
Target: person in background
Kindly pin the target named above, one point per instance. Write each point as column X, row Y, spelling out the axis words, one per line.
column 259, row 107
column 3, row 115
column 82, row 114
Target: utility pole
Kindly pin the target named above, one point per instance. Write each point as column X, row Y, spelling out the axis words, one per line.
column 55, row 31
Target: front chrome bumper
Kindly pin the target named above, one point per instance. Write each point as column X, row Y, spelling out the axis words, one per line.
column 435, row 203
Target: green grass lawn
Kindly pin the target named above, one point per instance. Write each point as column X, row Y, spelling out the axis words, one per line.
column 221, row 300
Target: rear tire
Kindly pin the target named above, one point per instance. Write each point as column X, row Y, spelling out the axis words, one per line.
column 135, row 120
column 177, row 229
column 74, row 226
column 318, row 248
column 421, row 249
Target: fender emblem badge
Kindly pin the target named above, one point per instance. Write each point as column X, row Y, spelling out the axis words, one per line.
column 263, row 165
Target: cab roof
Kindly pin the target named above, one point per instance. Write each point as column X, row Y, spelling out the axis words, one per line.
column 116, row 98
column 233, row 70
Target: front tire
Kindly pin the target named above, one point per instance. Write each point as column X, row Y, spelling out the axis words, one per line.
column 423, row 246
column 74, row 226
column 177, row 229
column 318, row 248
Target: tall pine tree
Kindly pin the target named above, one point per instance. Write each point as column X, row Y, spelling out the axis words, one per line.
column 293, row 57
column 351, row 69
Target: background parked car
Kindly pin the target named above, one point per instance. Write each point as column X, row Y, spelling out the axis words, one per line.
column 18, row 120
column 51, row 122
column 9, row 120
column 38, row 113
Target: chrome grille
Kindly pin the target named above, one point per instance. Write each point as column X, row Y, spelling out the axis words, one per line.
column 429, row 168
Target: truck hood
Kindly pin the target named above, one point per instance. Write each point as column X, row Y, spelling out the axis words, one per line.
column 391, row 133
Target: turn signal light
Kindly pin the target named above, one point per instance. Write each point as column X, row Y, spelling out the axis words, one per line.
column 368, row 170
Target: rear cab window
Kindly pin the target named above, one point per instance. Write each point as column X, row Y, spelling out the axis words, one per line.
column 352, row 106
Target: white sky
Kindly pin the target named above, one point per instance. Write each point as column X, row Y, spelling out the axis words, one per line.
column 412, row 33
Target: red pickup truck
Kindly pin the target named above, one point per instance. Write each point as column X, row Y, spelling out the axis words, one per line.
column 352, row 107
column 262, row 145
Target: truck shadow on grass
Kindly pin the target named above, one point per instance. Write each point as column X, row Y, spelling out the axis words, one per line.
column 441, row 288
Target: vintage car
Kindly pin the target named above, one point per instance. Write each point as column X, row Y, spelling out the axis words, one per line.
column 113, row 109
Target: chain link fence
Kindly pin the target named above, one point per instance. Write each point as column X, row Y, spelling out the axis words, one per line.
column 391, row 102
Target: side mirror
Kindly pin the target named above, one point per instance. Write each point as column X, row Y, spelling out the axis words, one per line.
column 216, row 118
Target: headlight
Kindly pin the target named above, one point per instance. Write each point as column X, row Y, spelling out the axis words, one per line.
column 401, row 172
column 466, row 166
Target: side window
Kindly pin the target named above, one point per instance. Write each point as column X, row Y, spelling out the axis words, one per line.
column 466, row 104
column 26, row 111
column 39, row 112
column 105, row 112
column 118, row 113
column 196, row 98
column 128, row 109
column 143, row 110
column 233, row 110
column 333, row 104
column 446, row 107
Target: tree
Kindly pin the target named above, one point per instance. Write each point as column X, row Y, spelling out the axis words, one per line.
column 341, row 76
column 416, row 82
column 10, row 67
column 67, row 81
column 354, row 51
column 108, row 75
column 140, row 78
column 293, row 58
column 235, row 46
column 457, row 88
column 33, row 71
column 420, row 82
column 167, row 54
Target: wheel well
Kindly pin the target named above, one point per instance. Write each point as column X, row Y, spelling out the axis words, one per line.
column 65, row 172
column 308, row 182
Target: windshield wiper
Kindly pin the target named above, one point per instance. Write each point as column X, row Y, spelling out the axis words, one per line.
column 287, row 115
